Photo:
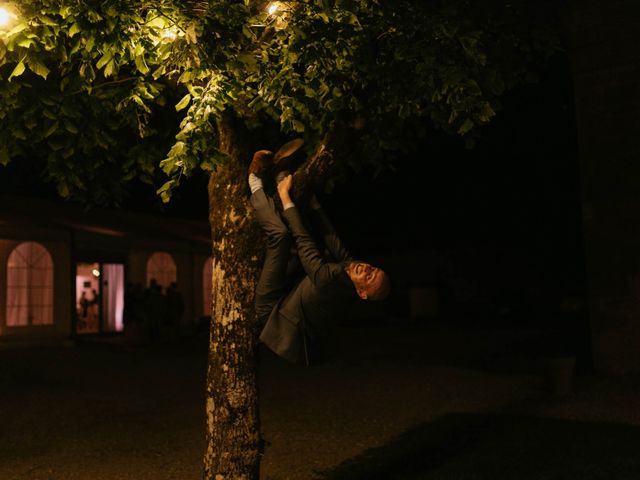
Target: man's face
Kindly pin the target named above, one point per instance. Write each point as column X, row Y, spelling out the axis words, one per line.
column 367, row 279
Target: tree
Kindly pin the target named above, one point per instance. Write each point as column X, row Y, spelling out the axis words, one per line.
column 88, row 87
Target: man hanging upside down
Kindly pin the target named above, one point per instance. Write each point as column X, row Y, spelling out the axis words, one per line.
column 294, row 312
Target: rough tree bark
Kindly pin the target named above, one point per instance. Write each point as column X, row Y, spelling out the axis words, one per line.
column 233, row 438
column 233, row 429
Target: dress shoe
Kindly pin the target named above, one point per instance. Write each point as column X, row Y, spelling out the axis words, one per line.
column 261, row 163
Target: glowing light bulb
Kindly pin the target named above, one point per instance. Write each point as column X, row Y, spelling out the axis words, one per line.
column 272, row 8
column 96, row 272
column 5, row 16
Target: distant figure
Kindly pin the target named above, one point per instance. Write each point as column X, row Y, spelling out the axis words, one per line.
column 294, row 313
column 84, row 304
column 95, row 301
column 175, row 305
column 155, row 308
column 133, row 298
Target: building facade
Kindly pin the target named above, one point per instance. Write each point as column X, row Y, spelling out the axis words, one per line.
column 69, row 272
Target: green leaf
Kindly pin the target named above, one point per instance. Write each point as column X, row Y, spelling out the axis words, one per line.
column 49, row 114
column 30, row 122
column 86, row 71
column 17, row 71
column 165, row 191
column 110, row 69
column 176, row 150
column 75, row 28
column 249, row 60
column 63, row 190
column 88, row 46
column 17, row 29
column 4, row 156
column 51, row 130
column 56, row 143
column 486, row 113
column 38, row 68
column 160, row 71
column 466, row 126
column 26, row 42
column 70, row 127
column 19, row 133
column 190, row 34
column 186, row 76
column 48, row 21
column 297, row 126
column 106, row 58
column 184, row 102
column 141, row 65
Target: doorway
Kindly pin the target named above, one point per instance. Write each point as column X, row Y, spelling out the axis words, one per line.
column 99, row 297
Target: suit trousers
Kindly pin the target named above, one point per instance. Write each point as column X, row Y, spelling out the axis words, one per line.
column 275, row 277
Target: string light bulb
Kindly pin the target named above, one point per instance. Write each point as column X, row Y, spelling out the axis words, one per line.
column 5, row 16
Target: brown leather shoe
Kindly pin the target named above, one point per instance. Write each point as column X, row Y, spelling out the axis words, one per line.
column 262, row 161
column 286, row 160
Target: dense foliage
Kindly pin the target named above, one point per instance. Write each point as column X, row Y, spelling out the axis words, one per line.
column 89, row 87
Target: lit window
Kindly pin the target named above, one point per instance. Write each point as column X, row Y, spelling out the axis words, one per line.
column 29, row 286
column 161, row 269
column 207, row 272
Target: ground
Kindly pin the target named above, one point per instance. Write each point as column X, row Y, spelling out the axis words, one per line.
column 397, row 400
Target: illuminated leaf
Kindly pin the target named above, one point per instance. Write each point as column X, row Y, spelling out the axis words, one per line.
column 48, row 21
column 110, row 68
column 75, row 28
column 17, row 29
column 186, row 77
column 183, row 103
column 17, row 71
column 38, row 68
column 106, row 58
column 177, row 149
column 190, row 34
column 306, row 72
column 26, row 42
column 141, row 65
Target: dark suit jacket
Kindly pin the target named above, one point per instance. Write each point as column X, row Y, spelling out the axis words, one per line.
column 320, row 295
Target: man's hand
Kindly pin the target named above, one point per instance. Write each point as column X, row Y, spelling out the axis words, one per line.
column 284, row 189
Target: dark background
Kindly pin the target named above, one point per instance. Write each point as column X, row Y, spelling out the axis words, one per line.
column 497, row 227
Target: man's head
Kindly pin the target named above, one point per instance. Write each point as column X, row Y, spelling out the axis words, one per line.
column 371, row 282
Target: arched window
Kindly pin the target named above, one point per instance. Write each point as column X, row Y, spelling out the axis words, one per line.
column 161, row 268
column 29, row 286
column 207, row 272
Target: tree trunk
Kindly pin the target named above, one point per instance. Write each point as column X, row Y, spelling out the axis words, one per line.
column 233, row 435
